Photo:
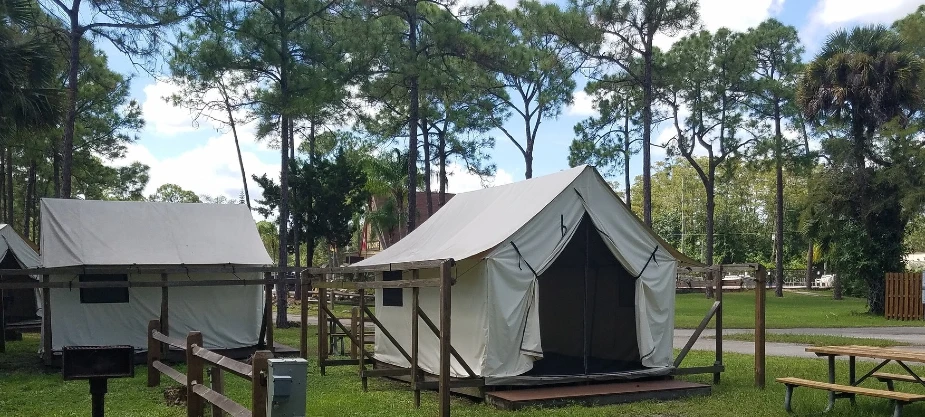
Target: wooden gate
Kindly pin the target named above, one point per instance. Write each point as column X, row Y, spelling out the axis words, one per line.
column 904, row 296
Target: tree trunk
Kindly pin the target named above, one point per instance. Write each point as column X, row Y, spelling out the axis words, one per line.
column 809, row 267
column 647, row 135
column 296, row 243
column 413, row 120
column 281, row 302
column 29, row 194
column 528, row 152
column 442, row 154
column 779, row 203
column 425, row 135
column 708, row 245
column 56, row 171
column 237, row 144
column 626, row 158
column 3, row 199
column 10, row 220
column 70, row 123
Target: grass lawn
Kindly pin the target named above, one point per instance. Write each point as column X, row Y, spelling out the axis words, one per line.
column 816, row 339
column 793, row 310
column 29, row 391
column 340, row 310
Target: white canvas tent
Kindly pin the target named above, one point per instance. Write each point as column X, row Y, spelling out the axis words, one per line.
column 22, row 305
column 129, row 234
column 555, row 278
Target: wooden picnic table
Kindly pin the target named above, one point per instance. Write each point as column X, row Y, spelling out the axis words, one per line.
column 885, row 355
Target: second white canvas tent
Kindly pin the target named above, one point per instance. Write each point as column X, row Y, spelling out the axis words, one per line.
column 555, row 277
column 21, row 307
column 124, row 235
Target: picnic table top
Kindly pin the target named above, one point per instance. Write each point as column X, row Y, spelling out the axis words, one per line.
column 869, row 352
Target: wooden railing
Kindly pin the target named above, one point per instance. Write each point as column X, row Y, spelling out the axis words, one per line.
column 904, row 296
column 197, row 358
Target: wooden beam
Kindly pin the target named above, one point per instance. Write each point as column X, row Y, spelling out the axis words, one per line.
column 135, row 284
column 217, row 382
column 414, row 344
column 718, row 294
column 258, row 386
column 433, row 327
column 699, row 370
column 240, row 369
column 322, row 330
column 220, row 401
column 399, row 266
column 268, row 310
column 388, row 335
column 46, row 322
column 445, row 309
column 760, row 299
column 151, row 269
column 303, row 315
column 194, row 376
column 362, row 325
column 352, row 285
column 172, row 341
column 154, row 354
column 2, row 324
column 163, row 368
column 696, row 335
column 165, row 323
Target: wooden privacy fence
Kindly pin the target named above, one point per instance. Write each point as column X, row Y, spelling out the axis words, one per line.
column 904, row 296
column 197, row 358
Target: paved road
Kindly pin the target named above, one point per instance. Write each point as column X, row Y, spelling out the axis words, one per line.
column 914, row 336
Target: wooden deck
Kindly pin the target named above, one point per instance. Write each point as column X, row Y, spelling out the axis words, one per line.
column 596, row 394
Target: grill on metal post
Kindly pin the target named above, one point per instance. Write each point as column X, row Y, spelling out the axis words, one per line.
column 97, row 364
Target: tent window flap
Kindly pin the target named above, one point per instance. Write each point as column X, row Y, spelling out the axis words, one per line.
column 103, row 295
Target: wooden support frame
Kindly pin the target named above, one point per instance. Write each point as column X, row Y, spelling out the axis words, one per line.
column 47, row 354
column 717, row 310
column 356, row 332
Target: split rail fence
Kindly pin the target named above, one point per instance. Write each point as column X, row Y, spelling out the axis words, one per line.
column 904, row 296
column 197, row 358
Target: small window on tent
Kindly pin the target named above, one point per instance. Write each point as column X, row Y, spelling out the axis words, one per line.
column 392, row 297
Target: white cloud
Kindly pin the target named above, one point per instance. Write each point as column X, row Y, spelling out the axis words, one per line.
column 833, row 12
column 211, row 168
column 162, row 117
column 460, row 180
column 582, row 105
column 829, row 15
column 737, row 15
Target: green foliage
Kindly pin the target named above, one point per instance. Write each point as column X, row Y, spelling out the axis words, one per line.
column 172, row 193
column 859, row 91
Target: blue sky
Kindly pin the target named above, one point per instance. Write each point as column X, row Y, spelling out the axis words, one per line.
column 200, row 158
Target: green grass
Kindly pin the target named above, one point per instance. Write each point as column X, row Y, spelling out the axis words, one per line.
column 340, row 310
column 28, row 391
column 791, row 311
column 816, row 339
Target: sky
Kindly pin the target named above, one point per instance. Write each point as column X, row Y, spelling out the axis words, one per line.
column 200, row 157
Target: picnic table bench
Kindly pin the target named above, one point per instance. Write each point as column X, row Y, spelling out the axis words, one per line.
column 836, row 391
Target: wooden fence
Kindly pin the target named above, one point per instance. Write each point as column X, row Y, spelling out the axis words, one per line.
column 904, row 296
column 197, row 357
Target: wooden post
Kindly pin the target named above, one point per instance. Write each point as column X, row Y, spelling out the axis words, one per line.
column 268, row 310
column 354, row 314
column 154, row 354
column 165, row 323
column 303, row 311
column 760, row 293
column 217, row 380
column 2, row 324
column 46, row 321
column 259, row 382
column 362, row 325
column 194, row 376
column 322, row 330
column 718, row 294
column 414, row 344
column 445, row 309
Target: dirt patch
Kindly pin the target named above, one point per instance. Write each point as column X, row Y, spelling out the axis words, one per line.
column 175, row 396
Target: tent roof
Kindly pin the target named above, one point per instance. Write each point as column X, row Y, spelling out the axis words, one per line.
column 25, row 252
column 476, row 221
column 89, row 232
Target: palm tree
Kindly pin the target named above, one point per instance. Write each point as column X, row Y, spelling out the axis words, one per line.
column 387, row 180
column 27, row 71
column 863, row 79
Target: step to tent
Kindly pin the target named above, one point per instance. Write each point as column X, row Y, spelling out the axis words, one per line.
column 595, row 394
